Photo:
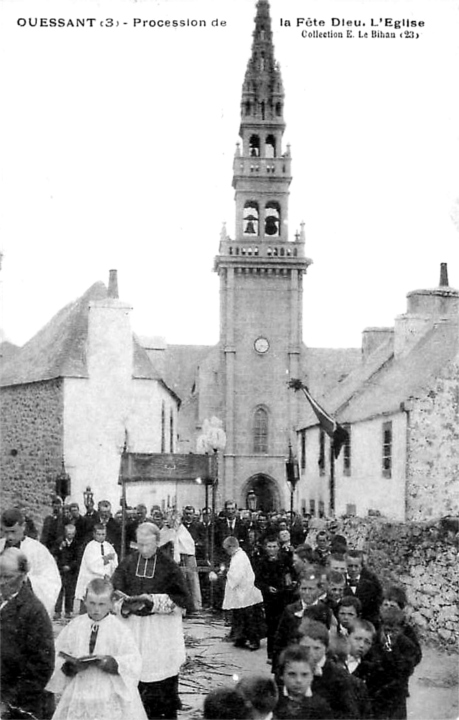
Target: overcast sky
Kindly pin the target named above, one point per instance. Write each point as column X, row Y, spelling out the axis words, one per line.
column 118, row 143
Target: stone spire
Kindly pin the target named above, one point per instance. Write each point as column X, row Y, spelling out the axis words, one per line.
column 262, row 91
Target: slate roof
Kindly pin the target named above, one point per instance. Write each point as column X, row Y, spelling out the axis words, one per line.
column 382, row 382
column 59, row 348
column 323, row 368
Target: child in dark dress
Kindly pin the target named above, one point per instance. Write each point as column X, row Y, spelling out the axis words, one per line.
column 297, row 701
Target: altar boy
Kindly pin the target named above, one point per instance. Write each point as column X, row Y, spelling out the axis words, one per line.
column 97, row 664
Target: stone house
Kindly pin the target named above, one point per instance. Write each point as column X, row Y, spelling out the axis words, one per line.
column 401, row 409
column 73, row 395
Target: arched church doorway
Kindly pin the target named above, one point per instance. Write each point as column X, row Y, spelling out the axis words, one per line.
column 261, row 493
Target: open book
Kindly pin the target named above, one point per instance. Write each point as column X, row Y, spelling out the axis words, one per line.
column 84, row 659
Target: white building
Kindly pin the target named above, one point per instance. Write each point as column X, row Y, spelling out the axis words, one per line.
column 401, row 409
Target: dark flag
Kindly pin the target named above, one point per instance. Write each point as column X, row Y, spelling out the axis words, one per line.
column 334, row 430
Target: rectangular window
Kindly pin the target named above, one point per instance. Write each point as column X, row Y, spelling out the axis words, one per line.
column 312, row 507
column 387, row 449
column 322, row 452
column 303, row 449
column 347, row 452
column 163, row 427
column 171, row 431
column 321, row 508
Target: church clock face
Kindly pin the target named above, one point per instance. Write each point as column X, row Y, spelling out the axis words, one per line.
column 261, row 345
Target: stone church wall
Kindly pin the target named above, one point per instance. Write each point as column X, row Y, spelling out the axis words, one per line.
column 421, row 558
column 31, row 444
column 433, row 479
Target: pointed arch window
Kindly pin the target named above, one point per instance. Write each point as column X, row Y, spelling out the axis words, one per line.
column 254, row 146
column 272, row 219
column 260, row 431
column 270, row 145
column 251, row 218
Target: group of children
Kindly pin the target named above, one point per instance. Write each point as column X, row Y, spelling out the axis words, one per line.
column 328, row 659
column 365, row 676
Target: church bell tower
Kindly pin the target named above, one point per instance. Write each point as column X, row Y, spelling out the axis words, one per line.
column 261, row 275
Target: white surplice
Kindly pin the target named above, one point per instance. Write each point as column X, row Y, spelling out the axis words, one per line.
column 95, row 694
column 93, row 566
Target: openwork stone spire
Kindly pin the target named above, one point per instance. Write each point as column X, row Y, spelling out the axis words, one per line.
column 262, row 91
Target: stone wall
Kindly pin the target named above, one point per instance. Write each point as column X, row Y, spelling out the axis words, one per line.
column 433, row 476
column 423, row 559
column 31, row 445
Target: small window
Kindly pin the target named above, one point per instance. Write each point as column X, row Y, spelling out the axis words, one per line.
column 387, row 450
column 347, row 452
column 321, row 452
column 312, row 507
column 303, row 449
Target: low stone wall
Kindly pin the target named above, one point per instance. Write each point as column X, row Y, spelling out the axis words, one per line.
column 423, row 559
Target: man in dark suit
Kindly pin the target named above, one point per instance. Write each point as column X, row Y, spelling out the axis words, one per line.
column 113, row 530
column 273, row 576
column 91, row 518
column 308, row 606
column 67, row 554
column 78, row 521
column 364, row 585
column 53, row 525
column 27, row 648
column 228, row 525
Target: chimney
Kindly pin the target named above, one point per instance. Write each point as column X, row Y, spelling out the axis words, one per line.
column 444, row 275
column 113, row 284
column 374, row 337
column 425, row 308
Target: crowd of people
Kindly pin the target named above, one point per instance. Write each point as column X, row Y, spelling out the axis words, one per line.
column 338, row 643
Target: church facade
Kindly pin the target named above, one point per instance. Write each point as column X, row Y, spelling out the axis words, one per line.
column 243, row 380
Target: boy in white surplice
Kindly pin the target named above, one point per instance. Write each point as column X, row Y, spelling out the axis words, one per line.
column 97, row 664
